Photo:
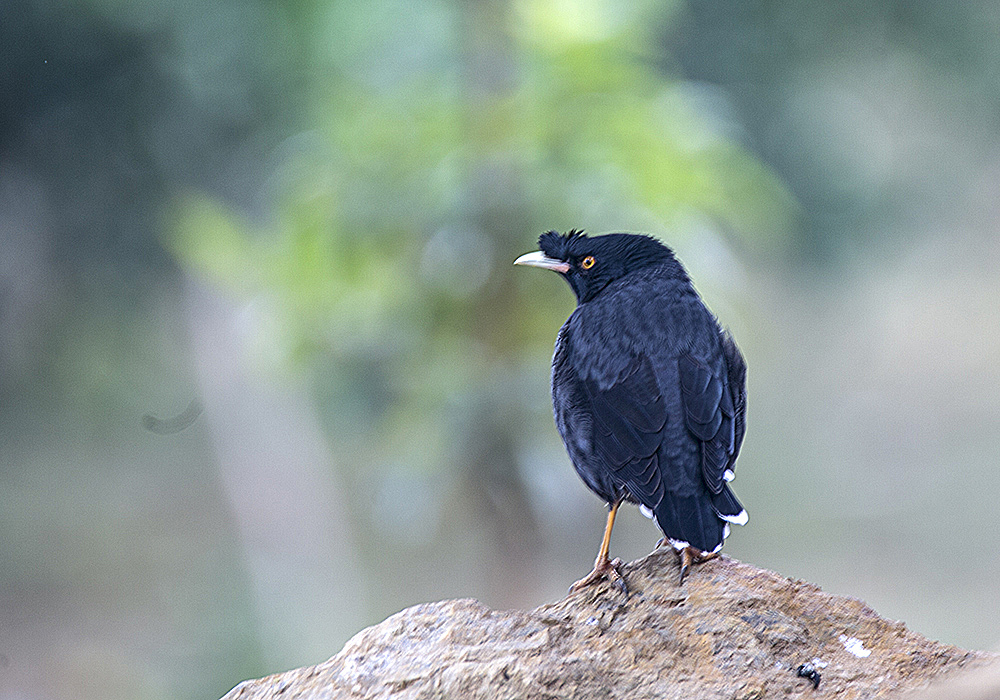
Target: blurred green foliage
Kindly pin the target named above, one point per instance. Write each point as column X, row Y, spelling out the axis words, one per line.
column 850, row 102
column 441, row 138
column 356, row 178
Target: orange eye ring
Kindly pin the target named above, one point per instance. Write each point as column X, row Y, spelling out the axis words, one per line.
column 588, row 262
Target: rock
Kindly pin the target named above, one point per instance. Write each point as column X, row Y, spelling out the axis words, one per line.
column 729, row 631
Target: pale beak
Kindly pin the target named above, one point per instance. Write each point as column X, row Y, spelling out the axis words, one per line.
column 539, row 259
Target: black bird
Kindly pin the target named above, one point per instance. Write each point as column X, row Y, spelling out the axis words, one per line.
column 648, row 391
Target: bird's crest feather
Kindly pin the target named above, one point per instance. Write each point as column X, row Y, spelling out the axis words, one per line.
column 556, row 245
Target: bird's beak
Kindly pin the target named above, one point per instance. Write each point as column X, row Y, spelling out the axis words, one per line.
column 539, row 259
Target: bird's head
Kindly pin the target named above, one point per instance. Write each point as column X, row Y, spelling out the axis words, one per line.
column 590, row 264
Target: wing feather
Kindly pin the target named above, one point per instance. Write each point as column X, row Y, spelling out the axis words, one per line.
column 736, row 369
column 711, row 412
column 628, row 420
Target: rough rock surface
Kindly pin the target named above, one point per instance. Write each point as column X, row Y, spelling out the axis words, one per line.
column 730, row 631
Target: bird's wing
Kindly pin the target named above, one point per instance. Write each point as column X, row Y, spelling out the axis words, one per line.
column 710, row 409
column 736, row 368
column 628, row 419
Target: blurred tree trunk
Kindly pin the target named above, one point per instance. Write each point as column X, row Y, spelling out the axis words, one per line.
column 493, row 205
column 274, row 465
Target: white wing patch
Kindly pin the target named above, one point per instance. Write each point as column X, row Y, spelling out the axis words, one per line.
column 740, row 519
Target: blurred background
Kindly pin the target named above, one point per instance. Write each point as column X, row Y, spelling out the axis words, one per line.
column 298, row 217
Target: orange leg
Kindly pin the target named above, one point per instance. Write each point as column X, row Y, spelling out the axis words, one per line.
column 604, row 566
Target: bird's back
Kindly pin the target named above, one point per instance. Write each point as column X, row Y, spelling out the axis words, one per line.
column 644, row 398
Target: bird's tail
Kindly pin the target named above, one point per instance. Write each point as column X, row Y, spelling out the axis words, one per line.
column 699, row 521
column 728, row 508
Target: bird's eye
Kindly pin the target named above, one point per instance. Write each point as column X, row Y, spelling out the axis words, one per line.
column 587, row 262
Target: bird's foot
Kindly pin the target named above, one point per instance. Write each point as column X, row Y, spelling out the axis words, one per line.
column 603, row 568
column 689, row 556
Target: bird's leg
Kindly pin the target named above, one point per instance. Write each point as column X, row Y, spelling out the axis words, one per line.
column 686, row 558
column 603, row 565
column 689, row 556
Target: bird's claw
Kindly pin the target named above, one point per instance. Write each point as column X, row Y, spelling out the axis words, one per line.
column 620, row 584
column 609, row 569
column 689, row 556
